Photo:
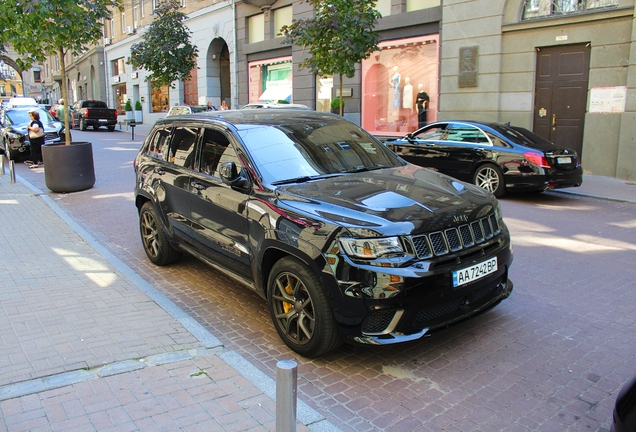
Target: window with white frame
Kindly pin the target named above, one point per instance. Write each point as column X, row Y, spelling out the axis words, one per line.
column 123, row 22
column 143, row 7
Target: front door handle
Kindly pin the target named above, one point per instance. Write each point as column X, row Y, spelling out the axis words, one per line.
column 553, row 121
column 197, row 186
column 159, row 171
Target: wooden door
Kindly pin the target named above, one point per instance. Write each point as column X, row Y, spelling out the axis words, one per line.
column 561, row 94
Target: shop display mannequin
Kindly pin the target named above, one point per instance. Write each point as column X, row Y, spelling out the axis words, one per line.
column 395, row 93
column 422, row 105
column 407, row 95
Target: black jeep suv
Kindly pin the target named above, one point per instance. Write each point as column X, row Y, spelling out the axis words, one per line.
column 346, row 241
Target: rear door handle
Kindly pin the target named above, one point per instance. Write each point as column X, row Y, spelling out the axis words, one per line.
column 159, row 171
column 197, row 186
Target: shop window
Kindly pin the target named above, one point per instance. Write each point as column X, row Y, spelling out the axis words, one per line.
column 400, row 86
column 37, row 76
column 270, row 81
column 324, row 86
column 256, row 28
column 121, row 96
column 384, row 7
column 282, row 16
column 413, row 5
column 160, row 98
column 533, row 9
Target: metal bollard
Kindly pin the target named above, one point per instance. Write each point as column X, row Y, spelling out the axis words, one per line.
column 286, row 395
column 132, row 129
column 12, row 171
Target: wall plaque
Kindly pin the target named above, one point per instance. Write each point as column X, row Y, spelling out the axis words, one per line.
column 468, row 57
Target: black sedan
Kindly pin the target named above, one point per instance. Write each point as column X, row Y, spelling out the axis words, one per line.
column 494, row 156
column 624, row 419
column 15, row 139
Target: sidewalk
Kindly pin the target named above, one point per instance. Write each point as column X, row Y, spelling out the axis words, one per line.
column 604, row 188
column 89, row 345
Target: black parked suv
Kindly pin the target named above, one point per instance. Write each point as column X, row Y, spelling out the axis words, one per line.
column 346, row 241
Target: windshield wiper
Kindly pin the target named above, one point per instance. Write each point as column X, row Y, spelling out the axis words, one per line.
column 304, row 179
column 364, row 169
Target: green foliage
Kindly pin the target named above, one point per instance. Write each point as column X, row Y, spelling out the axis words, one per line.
column 137, row 106
column 166, row 51
column 128, row 106
column 39, row 28
column 335, row 103
column 338, row 37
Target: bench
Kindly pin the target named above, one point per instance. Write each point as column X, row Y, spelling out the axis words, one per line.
column 125, row 122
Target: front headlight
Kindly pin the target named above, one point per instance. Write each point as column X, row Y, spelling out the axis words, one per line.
column 371, row 248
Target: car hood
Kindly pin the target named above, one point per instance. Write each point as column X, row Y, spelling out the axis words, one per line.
column 393, row 201
column 48, row 127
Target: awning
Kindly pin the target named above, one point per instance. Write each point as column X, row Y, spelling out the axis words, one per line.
column 275, row 94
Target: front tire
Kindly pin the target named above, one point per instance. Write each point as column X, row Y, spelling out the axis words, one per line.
column 111, row 128
column 490, row 177
column 156, row 245
column 300, row 310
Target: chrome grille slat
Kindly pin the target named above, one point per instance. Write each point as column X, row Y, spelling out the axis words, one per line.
column 441, row 243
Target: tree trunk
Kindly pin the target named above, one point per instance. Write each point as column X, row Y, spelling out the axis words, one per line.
column 67, row 113
column 341, row 103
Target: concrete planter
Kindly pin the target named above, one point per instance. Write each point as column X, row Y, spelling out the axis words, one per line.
column 139, row 117
column 130, row 115
column 68, row 168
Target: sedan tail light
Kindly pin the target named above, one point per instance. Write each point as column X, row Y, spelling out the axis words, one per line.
column 537, row 159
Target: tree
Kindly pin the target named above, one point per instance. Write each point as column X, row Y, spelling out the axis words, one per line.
column 39, row 28
column 339, row 36
column 166, row 51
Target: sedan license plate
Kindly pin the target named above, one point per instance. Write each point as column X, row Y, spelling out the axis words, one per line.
column 564, row 160
column 472, row 273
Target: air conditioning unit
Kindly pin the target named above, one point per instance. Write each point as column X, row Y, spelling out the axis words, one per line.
column 136, row 24
column 106, row 41
column 130, row 30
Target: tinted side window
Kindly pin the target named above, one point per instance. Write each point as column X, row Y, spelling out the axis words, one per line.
column 467, row 134
column 182, row 146
column 433, row 134
column 214, row 145
column 158, row 145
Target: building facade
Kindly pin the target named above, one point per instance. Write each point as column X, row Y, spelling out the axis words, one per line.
column 565, row 69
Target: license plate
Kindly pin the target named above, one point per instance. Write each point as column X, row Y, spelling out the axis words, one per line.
column 103, row 120
column 564, row 160
column 475, row 272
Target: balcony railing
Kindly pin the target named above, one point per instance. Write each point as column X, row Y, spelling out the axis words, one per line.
column 534, row 9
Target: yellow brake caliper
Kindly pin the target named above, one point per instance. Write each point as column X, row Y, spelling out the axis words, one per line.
column 286, row 305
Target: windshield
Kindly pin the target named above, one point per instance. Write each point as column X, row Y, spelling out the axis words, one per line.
column 21, row 117
column 309, row 149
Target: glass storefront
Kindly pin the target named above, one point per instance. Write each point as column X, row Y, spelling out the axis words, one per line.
column 324, row 85
column 270, row 80
column 400, row 86
column 121, row 96
column 159, row 98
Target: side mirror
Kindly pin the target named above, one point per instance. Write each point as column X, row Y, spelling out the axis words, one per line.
column 231, row 176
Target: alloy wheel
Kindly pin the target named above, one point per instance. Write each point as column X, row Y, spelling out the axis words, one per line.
column 293, row 308
column 488, row 178
column 150, row 234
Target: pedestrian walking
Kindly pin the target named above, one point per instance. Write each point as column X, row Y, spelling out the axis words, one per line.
column 36, row 139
